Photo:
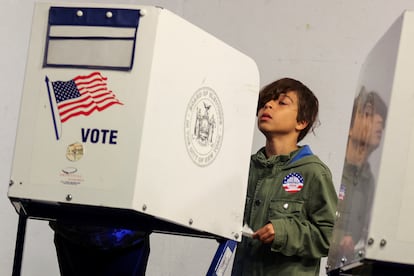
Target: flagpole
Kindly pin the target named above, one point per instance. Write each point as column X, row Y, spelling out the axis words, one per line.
column 51, row 108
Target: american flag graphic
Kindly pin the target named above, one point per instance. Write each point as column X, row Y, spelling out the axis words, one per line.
column 293, row 182
column 83, row 95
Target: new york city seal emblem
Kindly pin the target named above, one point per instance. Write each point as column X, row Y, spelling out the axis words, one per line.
column 203, row 126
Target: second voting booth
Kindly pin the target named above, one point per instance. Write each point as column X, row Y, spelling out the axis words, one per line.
column 132, row 116
column 373, row 233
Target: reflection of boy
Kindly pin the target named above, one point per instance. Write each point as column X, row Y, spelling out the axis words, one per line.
column 358, row 183
column 291, row 199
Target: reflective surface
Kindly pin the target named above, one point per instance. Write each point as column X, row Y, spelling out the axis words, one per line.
column 357, row 187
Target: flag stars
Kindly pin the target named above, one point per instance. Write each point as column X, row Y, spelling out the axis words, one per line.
column 292, row 176
column 65, row 90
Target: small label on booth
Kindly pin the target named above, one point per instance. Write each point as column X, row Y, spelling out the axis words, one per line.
column 71, row 176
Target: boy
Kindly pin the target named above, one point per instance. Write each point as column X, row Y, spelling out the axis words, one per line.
column 291, row 200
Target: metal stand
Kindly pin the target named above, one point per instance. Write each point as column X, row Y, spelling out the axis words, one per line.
column 375, row 268
column 18, row 251
column 222, row 258
column 108, row 216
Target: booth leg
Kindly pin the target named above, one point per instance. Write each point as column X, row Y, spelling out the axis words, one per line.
column 222, row 258
column 18, row 252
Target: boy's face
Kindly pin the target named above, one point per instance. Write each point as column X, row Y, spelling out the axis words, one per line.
column 367, row 127
column 279, row 116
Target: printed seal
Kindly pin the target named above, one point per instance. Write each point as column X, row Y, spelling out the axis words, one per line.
column 204, row 126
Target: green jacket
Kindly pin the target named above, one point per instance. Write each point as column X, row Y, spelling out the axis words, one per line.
column 296, row 194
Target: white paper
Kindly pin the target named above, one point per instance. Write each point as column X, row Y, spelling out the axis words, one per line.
column 247, row 231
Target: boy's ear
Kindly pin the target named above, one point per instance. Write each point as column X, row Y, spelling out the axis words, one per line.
column 301, row 125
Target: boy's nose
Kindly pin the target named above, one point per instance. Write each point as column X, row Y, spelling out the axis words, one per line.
column 268, row 105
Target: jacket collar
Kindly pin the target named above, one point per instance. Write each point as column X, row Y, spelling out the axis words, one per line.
column 294, row 156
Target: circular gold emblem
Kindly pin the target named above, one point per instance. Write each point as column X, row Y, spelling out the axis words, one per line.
column 74, row 152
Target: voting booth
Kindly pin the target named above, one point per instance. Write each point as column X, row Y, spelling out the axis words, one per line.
column 373, row 234
column 132, row 115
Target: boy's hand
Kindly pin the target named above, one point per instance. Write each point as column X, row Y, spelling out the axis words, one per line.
column 266, row 234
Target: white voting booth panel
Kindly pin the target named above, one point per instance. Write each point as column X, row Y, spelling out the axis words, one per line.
column 134, row 108
column 386, row 233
